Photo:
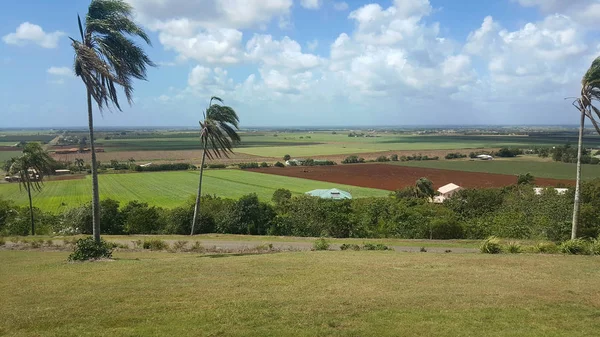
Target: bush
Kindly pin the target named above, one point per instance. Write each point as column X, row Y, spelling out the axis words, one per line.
column 595, row 247
column 382, row 159
column 155, row 244
column 281, row 196
column 287, row 157
column 321, row 244
column 378, row 246
column 353, row 160
column 2, row 241
column 180, row 245
column 513, row 248
column 394, row 157
column 279, row 164
column 575, row 247
column 36, row 243
column 264, row 164
column 545, row 248
column 245, row 166
column 165, row 167
column 216, row 166
column 139, row 218
column 491, row 245
column 88, row 249
column 347, row 246
column 455, row 155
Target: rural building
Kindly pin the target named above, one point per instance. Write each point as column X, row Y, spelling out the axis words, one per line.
column 540, row 190
column 333, row 193
column 62, row 172
column 484, row 157
column 145, row 165
column 446, row 192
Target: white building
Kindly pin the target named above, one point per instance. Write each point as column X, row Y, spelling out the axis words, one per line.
column 540, row 190
column 446, row 192
column 485, row 157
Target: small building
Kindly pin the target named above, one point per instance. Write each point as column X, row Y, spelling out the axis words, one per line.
column 446, row 192
column 484, row 157
column 295, row 162
column 146, row 165
column 559, row 191
column 333, row 193
column 62, row 172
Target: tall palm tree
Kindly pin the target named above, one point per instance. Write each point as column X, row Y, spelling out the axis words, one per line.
column 218, row 129
column 31, row 168
column 590, row 92
column 107, row 57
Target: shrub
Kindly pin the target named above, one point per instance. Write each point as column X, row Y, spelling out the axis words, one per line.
column 197, row 247
column 287, row 157
column 281, row 196
column 321, row 244
column 353, row 160
column 394, row 157
column 595, row 247
column 491, row 245
column 2, row 241
column 264, row 164
column 382, row 159
column 139, row 218
column 513, row 248
column 36, row 243
column 423, row 250
column 88, row 249
column 180, row 245
column 245, row 166
column 349, row 246
column 545, row 248
column 279, row 164
column 216, row 166
column 165, row 167
column 575, row 247
column 155, row 244
column 455, row 155
column 378, row 246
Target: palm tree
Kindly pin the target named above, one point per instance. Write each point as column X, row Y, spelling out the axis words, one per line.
column 107, row 57
column 80, row 163
column 424, row 188
column 31, row 168
column 590, row 92
column 218, row 129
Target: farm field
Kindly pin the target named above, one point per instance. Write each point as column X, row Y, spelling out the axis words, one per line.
column 300, row 294
column 169, row 189
column 394, row 177
column 538, row 169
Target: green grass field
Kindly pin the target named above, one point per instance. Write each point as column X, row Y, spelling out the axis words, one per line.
column 6, row 155
column 169, row 189
column 513, row 167
column 299, row 294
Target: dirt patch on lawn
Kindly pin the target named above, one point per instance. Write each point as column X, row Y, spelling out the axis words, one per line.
column 392, row 177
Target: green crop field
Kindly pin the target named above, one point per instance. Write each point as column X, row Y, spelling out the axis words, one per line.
column 539, row 169
column 300, row 294
column 6, row 155
column 169, row 189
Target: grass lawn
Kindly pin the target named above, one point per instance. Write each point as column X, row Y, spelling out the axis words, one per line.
column 299, row 294
column 511, row 166
column 169, row 189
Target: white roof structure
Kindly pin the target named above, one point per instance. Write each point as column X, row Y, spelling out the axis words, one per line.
column 449, row 188
column 333, row 193
column 485, row 156
column 539, row 190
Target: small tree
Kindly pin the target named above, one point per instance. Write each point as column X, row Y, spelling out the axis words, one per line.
column 287, row 157
column 525, row 179
column 424, row 188
column 281, row 195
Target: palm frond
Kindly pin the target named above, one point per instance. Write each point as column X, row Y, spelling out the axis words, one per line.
column 218, row 129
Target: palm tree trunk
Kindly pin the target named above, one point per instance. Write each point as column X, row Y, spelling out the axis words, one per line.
column 30, row 207
column 95, row 192
column 578, row 181
column 197, row 206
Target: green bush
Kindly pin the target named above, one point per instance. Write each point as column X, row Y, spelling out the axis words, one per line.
column 353, row 160
column 2, row 241
column 545, row 248
column 394, row 157
column 281, row 196
column 373, row 246
column 279, row 164
column 382, row 159
column 321, row 244
column 455, row 155
column 245, row 166
column 491, row 245
column 264, row 164
column 575, row 247
column 88, row 249
column 155, row 244
column 36, row 243
column 349, row 246
column 595, row 247
column 216, row 166
column 513, row 248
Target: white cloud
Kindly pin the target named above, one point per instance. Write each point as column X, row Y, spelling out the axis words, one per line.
column 30, row 33
column 220, row 46
column 340, row 6
column 312, row 45
column 284, row 53
column 586, row 12
column 310, row 4
column 60, row 71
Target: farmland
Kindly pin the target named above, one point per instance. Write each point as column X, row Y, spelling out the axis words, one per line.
column 169, row 189
column 393, row 177
column 538, row 169
column 299, row 294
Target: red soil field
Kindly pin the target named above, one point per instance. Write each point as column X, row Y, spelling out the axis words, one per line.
column 392, row 177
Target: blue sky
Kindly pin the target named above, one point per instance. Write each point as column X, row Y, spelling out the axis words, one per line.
column 315, row 62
